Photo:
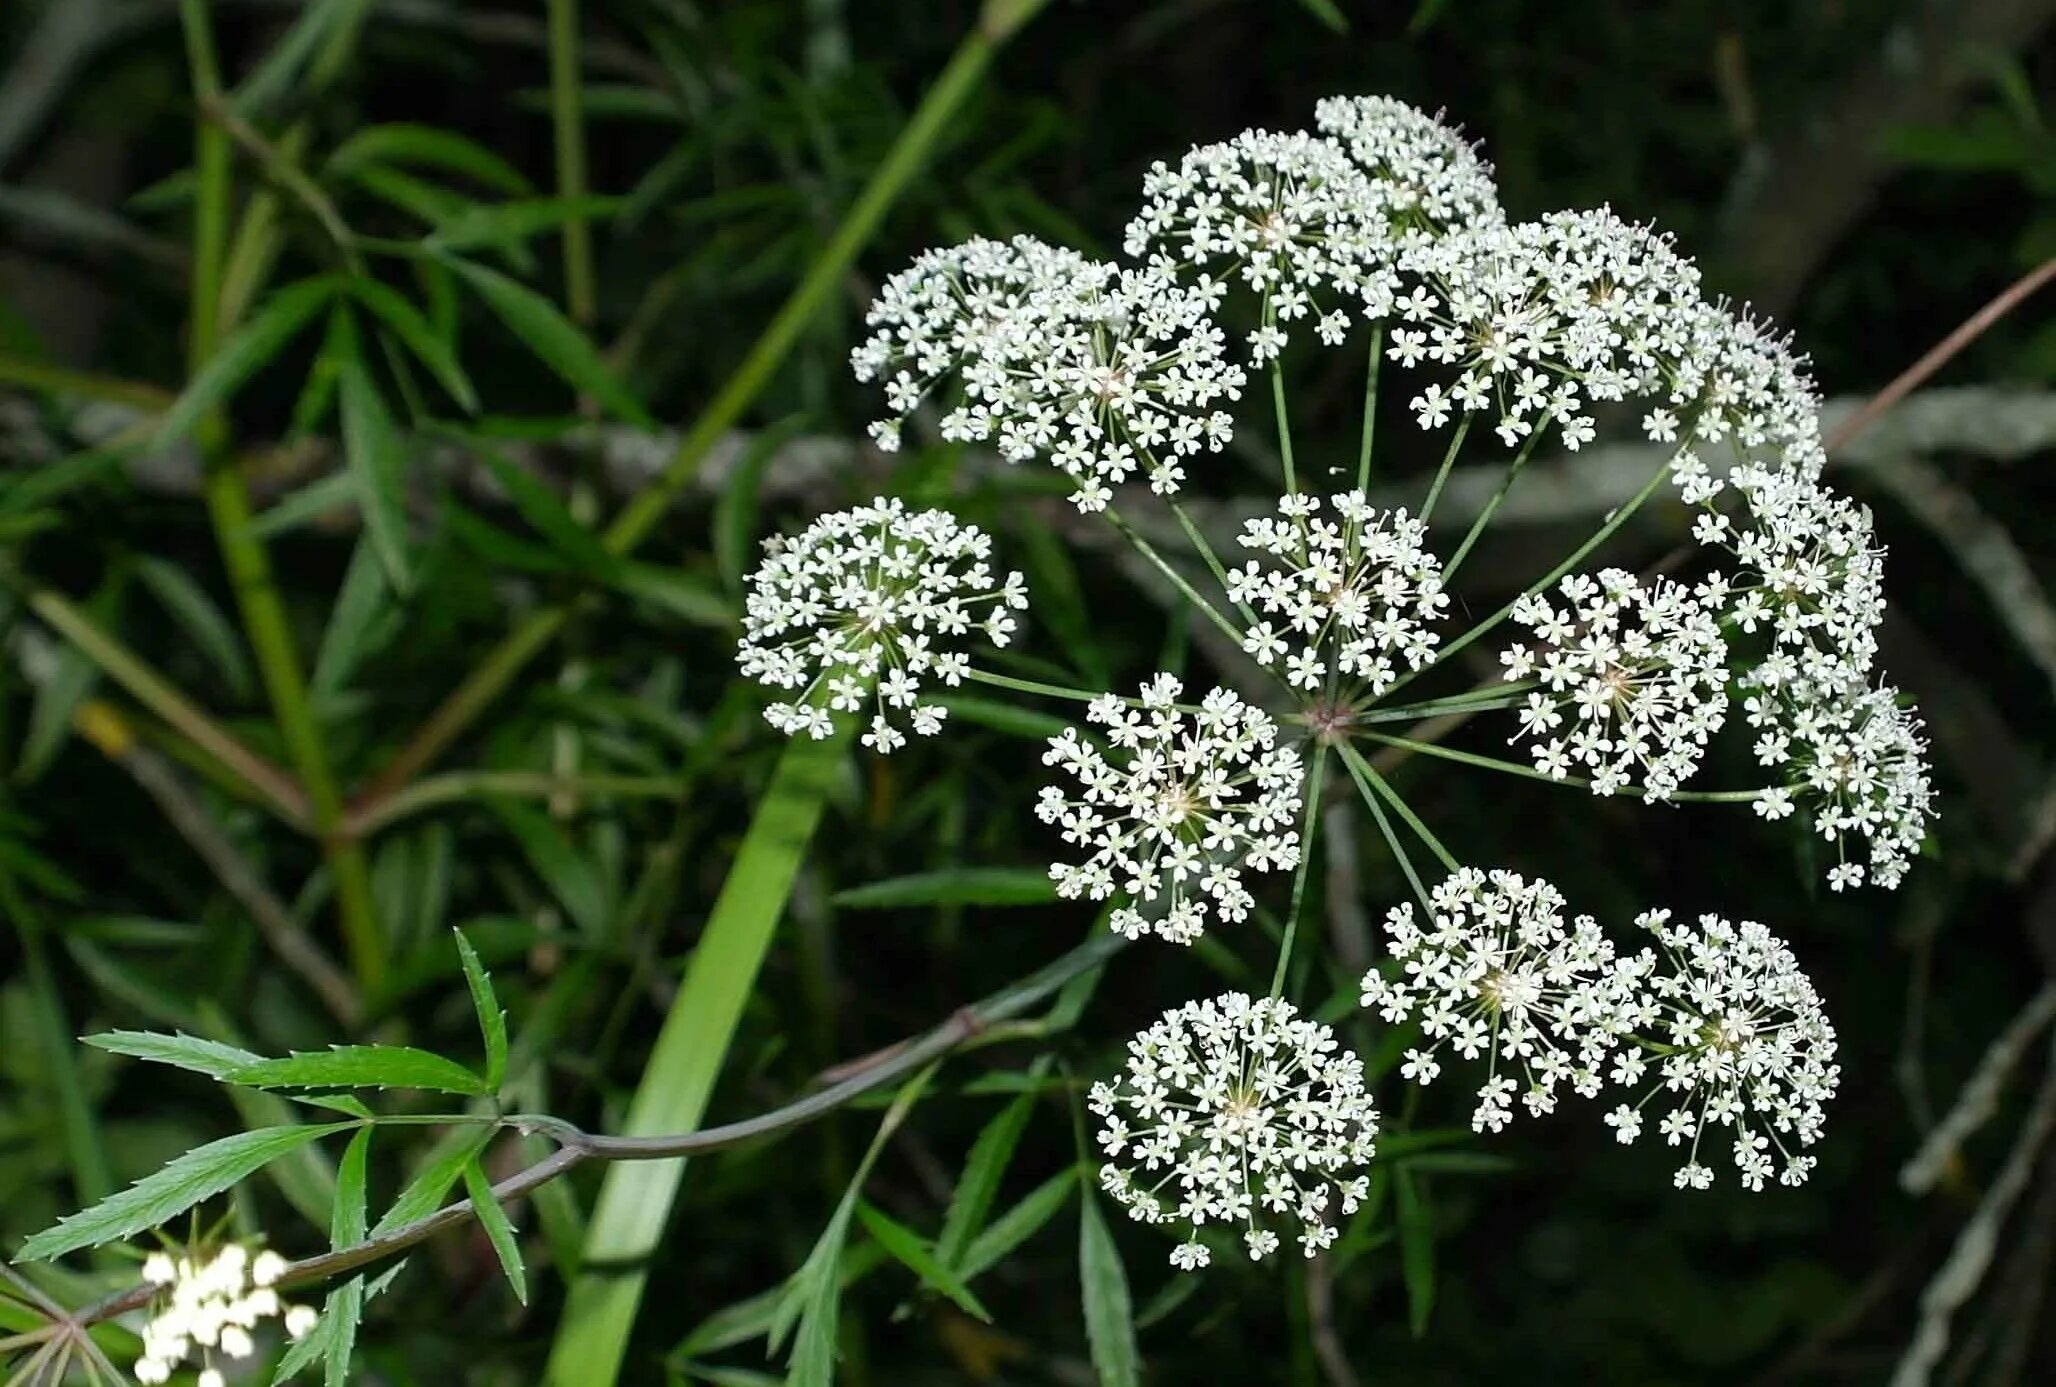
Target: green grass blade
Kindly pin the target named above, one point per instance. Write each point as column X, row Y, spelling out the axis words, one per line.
column 635, row 1199
column 1109, row 1315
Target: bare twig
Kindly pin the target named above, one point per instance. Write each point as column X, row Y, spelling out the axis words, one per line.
column 1979, row 1099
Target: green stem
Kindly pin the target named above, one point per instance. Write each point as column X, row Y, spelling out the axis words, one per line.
column 1002, row 18
column 1491, row 507
column 1370, row 426
column 249, row 568
column 1504, row 767
column 567, row 116
column 1463, row 427
column 1399, row 854
column 1163, row 565
column 1206, row 552
column 1400, row 806
column 1309, row 822
column 1476, row 701
column 1031, row 686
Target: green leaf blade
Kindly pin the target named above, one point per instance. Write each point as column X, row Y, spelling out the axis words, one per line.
column 492, row 1021
column 493, row 1219
column 181, row 1051
column 361, row 1066
column 1109, row 1314
column 554, row 340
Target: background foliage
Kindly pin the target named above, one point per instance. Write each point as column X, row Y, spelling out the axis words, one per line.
column 1870, row 171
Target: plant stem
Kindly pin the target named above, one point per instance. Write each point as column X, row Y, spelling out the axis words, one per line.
column 1476, row 701
column 567, row 117
column 1370, row 425
column 1372, row 799
column 1307, row 824
column 1163, row 565
column 249, row 568
column 1031, row 686
column 909, row 153
column 1463, row 427
column 1400, row 807
column 1494, row 763
column 1284, row 427
column 1491, row 507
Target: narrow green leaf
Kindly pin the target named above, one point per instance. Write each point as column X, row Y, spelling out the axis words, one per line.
column 346, row 1312
column 1018, row 1224
column 813, row 1352
column 907, row 1248
column 498, row 223
column 424, row 1194
column 347, row 1222
column 1416, row 1248
column 752, row 1318
column 547, row 515
column 202, row 619
column 156, row 1199
column 1109, row 1318
column 72, row 680
column 556, row 342
column 493, row 1219
column 360, row 1066
column 321, row 497
column 378, row 464
column 209, row 1057
column 430, row 146
column 1028, row 723
column 406, row 322
column 363, row 620
column 992, row 886
column 571, row 876
column 492, row 1022
column 978, row 1186
column 1328, row 12
column 282, row 68
column 735, row 510
column 684, row 595
column 245, row 353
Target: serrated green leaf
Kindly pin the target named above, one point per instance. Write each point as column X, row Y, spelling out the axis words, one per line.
column 554, row 340
column 246, row 352
column 346, row 1311
column 1017, row 1224
column 978, row 1186
column 571, row 877
column 377, row 460
column 492, row 1022
column 202, row 619
column 334, row 1102
column 156, row 1199
column 1109, row 1317
column 493, row 1219
column 424, row 1194
column 403, row 143
column 361, row 1066
column 181, row 1051
column 907, row 1248
column 318, row 498
column 1416, row 1248
column 407, row 323
column 347, row 1222
column 991, row 886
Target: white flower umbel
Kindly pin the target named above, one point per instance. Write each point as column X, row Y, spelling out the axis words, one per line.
column 1352, row 599
column 953, row 306
column 1290, row 216
column 1544, row 320
column 860, row 609
column 208, row 1307
column 1749, row 1049
column 1237, row 1111
column 1637, row 670
column 1497, row 971
column 1185, row 803
column 1430, row 177
column 1857, row 762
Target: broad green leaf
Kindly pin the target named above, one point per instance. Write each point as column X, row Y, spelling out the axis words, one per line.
column 361, row 1066
column 156, row 1199
column 209, row 1057
column 569, row 874
column 497, row 223
column 406, row 322
column 910, row 1251
column 492, row 1022
column 545, row 514
column 378, row 464
column 992, row 886
column 1018, row 1224
column 978, row 1186
column 493, row 1219
column 430, row 146
column 1416, row 1248
column 556, row 342
column 424, row 1194
column 190, row 606
column 246, row 352
column 1109, row 1319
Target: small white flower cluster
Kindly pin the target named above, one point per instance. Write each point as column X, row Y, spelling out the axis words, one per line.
column 212, row 1306
column 1749, row 1048
column 1290, row 215
column 852, row 610
column 1544, row 320
column 1811, row 588
column 1102, row 370
column 1233, row 1109
column 1496, row 971
column 1430, row 178
column 1735, row 1028
column 1354, row 592
column 1197, row 798
column 1641, row 668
